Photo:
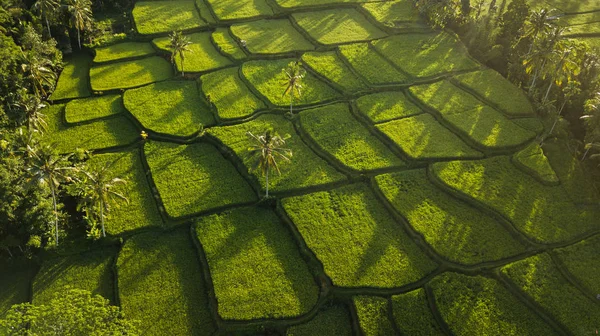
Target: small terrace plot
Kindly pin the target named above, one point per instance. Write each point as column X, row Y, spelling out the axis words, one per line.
column 356, row 240
column 240, row 9
column 329, row 65
column 172, row 107
column 581, row 261
column 373, row 315
column 73, row 80
column 155, row 17
column 227, row 44
column 255, row 266
column 385, row 106
column 129, row 74
column 333, row 320
column 122, row 51
column 310, row 3
column 533, row 161
column 337, row 26
column 395, row 13
column 202, row 55
column 93, row 108
column 370, row 65
column 412, row 314
column 194, row 178
column 271, row 37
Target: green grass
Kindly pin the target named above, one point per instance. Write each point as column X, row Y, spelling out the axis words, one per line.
column 227, row 44
column 311, row 3
column 589, row 29
column 482, row 306
column 333, row 320
column 205, row 12
column 73, row 80
column 425, row 55
column 240, row 9
column 93, row 108
column 533, row 161
column 373, row 312
column 335, row 26
column 533, row 124
column 160, row 284
column 445, row 97
column 123, row 50
column 255, row 266
column 129, row 74
column 412, row 314
column 579, row 19
column 116, row 131
column 456, row 230
column 579, row 6
column 336, row 131
column 171, row 107
column 155, row 17
column 385, row 106
column 544, row 213
column 329, row 65
column 268, row 78
column 229, row 94
column 15, row 281
column 370, row 65
column 305, row 170
column 395, row 13
column 498, row 90
column 141, row 210
column 581, row 261
column 202, row 55
column 90, row 271
column 194, row 178
column 422, row 137
column 541, row 280
column 356, row 239
column 271, row 37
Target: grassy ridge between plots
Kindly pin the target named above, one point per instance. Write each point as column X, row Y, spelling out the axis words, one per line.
column 539, row 278
column 370, row 65
column 227, row 44
column 271, row 37
column 454, row 229
column 543, row 213
column 356, row 239
column 329, row 65
column 333, row 320
column 305, row 170
column 73, row 80
column 255, row 266
column 128, row 74
column 482, row 306
column 336, row 131
column 194, row 178
column 122, row 50
column 160, row 284
column 201, row 55
column 155, row 17
column 412, row 314
column 15, row 281
column 533, row 161
column 240, row 9
column 373, row 312
column 93, row 108
column 385, row 106
column 581, row 260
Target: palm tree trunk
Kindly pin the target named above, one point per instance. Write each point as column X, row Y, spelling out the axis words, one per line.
column 47, row 25
column 55, row 212
column 267, row 193
column 291, row 102
column 102, row 218
column 532, row 86
column 586, row 153
column 548, row 91
column 79, row 38
column 182, row 72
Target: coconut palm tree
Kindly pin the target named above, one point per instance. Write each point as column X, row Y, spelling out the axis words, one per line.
column 38, row 70
column 179, row 44
column 294, row 74
column 81, row 16
column 266, row 149
column 46, row 7
column 31, row 106
column 540, row 23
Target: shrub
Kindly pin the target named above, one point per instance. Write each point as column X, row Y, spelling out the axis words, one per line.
column 93, row 108
column 373, row 315
column 227, row 44
column 412, row 314
column 329, row 65
column 333, row 320
column 385, row 106
column 240, row 9
column 581, row 260
column 123, row 50
column 155, row 17
column 202, row 55
column 271, row 37
column 73, row 80
column 129, row 74
column 370, row 65
column 533, row 161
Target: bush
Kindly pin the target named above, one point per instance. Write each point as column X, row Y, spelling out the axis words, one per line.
column 73, row 80
column 370, row 65
column 123, row 50
column 329, row 65
column 227, row 44
column 202, row 55
column 412, row 314
column 271, row 37
column 333, row 320
column 385, row 106
column 355, row 238
column 129, row 74
column 240, row 9
column 373, row 315
column 269, row 279
column 533, row 161
column 81, row 110
column 581, row 261
column 155, row 17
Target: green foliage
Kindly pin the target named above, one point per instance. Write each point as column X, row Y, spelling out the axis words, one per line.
column 385, row 106
column 457, row 231
column 129, row 74
column 412, row 314
column 373, row 315
column 541, row 280
column 15, row 281
column 271, row 37
column 356, row 239
column 334, row 320
column 194, row 178
column 155, row 17
column 395, row 13
column 370, row 65
column 73, row 80
column 307, row 170
column 269, row 279
column 581, row 260
column 81, row 110
column 336, row 131
column 425, row 55
column 170, row 107
column 123, row 50
column 479, row 305
column 240, row 9
column 533, row 161
column 329, row 65
column 160, row 283
column 545, row 214
column 422, row 137
column 268, row 79
column 227, row 44
column 351, row 26
column 229, row 94
column 202, row 55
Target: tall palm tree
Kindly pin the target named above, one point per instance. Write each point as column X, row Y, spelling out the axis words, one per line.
column 81, row 16
column 540, row 23
column 31, row 106
column 50, row 170
column 293, row 81
column 38, row 70
column 45, row 7
column 179, row 44
column 570, row 90
column 266, row 150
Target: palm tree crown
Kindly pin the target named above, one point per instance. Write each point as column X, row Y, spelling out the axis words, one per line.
column 46, row 7
column 179, row 44
column 294, row 74
column 81, row 15
column 267, row 149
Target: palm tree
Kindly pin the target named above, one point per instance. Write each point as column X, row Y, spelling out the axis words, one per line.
column 50, row 170
column 81, row 16
column 38, row 70
column 540, row 23
column 293, row 81
column 266, row 150
column 31, row 105
column 45, row 7
column 179, row 44
column 571, row 90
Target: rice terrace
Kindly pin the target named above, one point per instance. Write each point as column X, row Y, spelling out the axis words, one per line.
column 314, row 167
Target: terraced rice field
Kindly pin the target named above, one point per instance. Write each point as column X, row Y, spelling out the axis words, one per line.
column 417, row 200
